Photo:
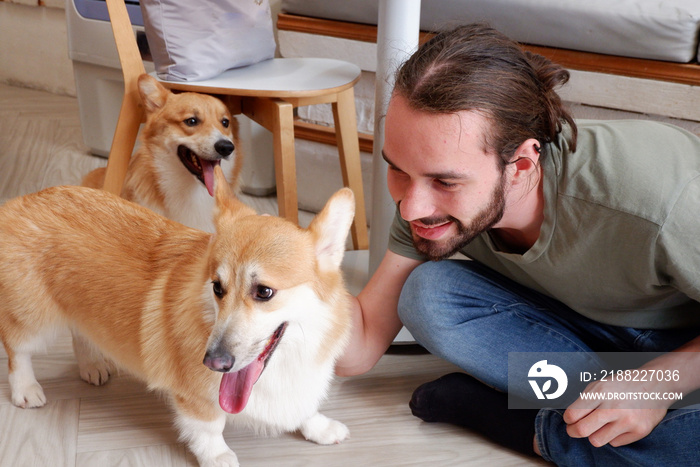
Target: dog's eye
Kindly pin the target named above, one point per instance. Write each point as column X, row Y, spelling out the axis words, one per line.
column 264, row 293
column 218, row 290
column 225, row 122
column 192, row 121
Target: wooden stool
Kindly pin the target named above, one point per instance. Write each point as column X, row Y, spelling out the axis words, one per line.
column 267, row 92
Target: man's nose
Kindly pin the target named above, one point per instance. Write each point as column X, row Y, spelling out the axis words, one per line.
column 417, row 203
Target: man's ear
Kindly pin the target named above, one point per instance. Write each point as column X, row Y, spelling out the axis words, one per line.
column 153, row 94
column 525, row 161
column 330, row 229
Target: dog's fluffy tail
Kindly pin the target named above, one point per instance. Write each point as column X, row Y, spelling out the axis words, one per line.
column 95, row 179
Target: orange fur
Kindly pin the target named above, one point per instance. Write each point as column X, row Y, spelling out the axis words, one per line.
column 156, row 178
column 139, row 288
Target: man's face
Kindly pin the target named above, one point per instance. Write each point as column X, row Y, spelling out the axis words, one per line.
column 446, row 185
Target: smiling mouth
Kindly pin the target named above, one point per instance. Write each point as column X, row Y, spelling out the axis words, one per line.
column 431, row 232
column 236, row 387
column 201, row 168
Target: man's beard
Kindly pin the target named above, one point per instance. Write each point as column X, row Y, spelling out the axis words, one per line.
column 483, row 221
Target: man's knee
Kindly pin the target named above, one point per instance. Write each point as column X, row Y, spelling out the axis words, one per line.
column 439, row 295
column 418, row 295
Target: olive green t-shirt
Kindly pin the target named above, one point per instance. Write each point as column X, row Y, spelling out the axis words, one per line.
column 620, row 242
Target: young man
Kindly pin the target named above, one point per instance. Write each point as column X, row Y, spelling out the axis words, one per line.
column 583, row 239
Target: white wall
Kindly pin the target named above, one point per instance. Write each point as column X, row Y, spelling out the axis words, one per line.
column 34, row 46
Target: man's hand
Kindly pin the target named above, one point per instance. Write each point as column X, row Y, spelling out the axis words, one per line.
column 375, row 316
column 620, row 422
column 614, row 422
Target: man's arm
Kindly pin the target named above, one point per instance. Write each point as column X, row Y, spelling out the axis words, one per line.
column 375, row 317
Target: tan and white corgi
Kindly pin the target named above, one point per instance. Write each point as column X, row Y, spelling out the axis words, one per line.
column 184, row 137
column 247, row 321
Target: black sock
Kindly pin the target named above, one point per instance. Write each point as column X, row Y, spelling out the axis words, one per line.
column 461, row 400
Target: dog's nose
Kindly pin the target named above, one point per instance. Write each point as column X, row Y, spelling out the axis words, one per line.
column 224, row 147
column 218, row 360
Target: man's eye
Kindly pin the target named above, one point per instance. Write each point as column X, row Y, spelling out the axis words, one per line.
column 445, row 184
column 397, row 172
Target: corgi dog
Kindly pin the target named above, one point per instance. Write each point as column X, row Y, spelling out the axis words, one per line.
column 184, row 137
column 242, row 325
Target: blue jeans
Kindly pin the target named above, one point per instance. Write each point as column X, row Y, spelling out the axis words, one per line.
column 472, row 316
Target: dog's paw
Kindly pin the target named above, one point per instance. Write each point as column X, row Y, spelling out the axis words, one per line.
column 29, row 397
column 96, row 373
column 323, row 430
column 227, row 459
column 94, row 367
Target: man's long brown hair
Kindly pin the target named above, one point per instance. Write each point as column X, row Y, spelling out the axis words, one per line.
column 476, row 68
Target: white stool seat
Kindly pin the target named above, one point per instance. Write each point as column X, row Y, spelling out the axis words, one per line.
column 280, row 77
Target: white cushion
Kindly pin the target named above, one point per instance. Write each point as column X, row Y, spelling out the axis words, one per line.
column 195, row 40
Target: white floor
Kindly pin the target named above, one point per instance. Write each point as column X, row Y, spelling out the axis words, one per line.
column 121, row 424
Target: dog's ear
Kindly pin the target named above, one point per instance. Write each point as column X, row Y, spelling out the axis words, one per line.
column 225, row 202
column 330, row 229
column 153, row 94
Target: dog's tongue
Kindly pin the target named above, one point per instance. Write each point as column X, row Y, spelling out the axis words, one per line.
column 236, row 387
column 208, row 173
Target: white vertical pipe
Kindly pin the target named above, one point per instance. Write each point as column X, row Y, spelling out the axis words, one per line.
column 397, row 38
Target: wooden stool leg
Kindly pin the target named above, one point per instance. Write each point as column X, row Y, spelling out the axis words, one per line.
column 285, row 162
column 278, row 117
column 131, row 113
column 125, row 134
column 349, row 153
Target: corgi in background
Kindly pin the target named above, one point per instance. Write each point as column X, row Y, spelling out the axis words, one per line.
column 245, row 324
column 184, row 137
